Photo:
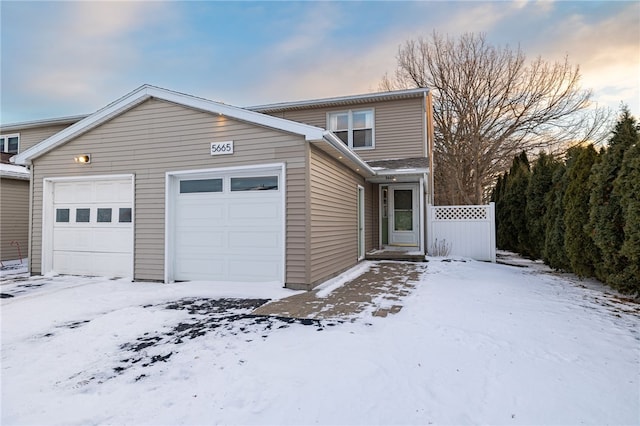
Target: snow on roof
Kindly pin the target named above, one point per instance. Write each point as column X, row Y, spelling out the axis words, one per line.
column 13, row 171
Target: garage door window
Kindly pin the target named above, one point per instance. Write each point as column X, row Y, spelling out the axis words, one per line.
column 104, row 215
column 62, row 215
column 258, row 183
column 124, row 215
column 200, row 185
column 83, row 215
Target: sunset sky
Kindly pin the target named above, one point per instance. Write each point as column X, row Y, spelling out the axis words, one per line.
column 68, row 58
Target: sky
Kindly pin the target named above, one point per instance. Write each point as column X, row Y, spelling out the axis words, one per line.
column 75, row 57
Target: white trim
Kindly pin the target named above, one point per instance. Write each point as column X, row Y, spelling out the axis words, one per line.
column 380, row 213
column 361, row 220
column 421, row 215
column 4, row 139
column 171, row 179
column 339, row 146
column 46, row 261
column 414, row 187
column 145, row 92
column 350, row 128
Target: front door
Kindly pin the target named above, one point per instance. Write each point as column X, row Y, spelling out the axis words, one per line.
column 404, row 227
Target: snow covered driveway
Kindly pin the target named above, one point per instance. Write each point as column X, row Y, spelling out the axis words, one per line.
column 474, row 343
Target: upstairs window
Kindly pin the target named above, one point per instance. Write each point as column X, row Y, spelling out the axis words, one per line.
column 353, row 127
column 10, row 143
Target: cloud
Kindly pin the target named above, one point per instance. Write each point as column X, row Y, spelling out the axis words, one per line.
column 73, row 49
column 606, row 47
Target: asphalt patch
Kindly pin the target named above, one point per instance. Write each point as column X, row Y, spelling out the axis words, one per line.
column 207, row 316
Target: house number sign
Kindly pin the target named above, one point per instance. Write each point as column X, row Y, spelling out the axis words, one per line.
column 221, row 148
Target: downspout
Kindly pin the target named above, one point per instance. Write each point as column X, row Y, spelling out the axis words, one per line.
column 429, row 136
column 30, row 239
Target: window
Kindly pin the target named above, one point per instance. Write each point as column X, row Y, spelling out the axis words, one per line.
column 353, row 127
column 62, row 215
column 200, row 185
column 104, row 215
column 124, row 215
column 258, row 183
column 10, row 143
column 83, row 215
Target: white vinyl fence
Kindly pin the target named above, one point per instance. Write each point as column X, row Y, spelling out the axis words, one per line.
column 468, row 231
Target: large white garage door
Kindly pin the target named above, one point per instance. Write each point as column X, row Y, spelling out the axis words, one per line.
column 229, row 227
column 92, row 228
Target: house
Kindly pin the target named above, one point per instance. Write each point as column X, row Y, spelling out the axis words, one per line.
column 14, row 182
column 14, row 211
column 163, row 186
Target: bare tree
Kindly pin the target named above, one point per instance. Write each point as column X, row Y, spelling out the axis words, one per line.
column 490, row 104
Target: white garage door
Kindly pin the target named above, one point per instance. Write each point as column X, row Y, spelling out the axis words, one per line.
column 229, row 227
column 92, row 228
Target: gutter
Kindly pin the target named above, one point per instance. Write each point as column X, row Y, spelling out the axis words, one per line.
column 339, row 146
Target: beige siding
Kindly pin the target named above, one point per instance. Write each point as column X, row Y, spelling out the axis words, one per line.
column 399, row 127
column 333, row 206
column 14, row 218
column 156, row 137
column 31, row 137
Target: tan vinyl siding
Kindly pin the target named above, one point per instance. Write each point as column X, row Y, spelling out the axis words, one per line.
column 14, row 218
column 33, row 136
column 156, row 137
column 333, row 206
column 399, row 127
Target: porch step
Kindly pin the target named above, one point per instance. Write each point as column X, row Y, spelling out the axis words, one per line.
column 395, row 255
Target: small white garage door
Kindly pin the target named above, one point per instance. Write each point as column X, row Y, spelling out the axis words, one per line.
column 229, row 227
column 92, row 228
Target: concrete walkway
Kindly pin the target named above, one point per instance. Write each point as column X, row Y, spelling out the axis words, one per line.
column 379, row 291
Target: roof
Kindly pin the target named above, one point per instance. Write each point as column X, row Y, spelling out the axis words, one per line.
column 341, row 101
column 14, row 172
column 400, row 164
column 41, row 123
column 145, row 92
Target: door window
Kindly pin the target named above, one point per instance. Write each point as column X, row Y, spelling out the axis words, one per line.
column 104, row 215
column 403, row 209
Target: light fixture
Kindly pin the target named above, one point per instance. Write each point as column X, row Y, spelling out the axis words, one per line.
column 82, row 158
column 339, row 157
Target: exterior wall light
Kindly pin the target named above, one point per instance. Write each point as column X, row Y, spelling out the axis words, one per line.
column 83, row 158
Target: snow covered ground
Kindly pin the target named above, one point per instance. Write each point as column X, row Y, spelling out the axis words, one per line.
column 476, row 343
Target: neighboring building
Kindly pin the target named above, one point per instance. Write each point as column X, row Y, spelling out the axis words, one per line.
column 163, row 186
column 14, row 182
column 14, row 212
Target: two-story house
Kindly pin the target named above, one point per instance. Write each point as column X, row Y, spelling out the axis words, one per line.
column 163, row 186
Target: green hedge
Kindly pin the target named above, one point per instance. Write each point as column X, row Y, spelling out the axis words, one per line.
column 581, row 214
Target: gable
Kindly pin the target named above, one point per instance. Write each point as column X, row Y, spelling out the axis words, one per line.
column 147, row 92
column 161, row 132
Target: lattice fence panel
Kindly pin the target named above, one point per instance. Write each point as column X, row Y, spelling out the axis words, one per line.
column 467, row 231
column 461, row 213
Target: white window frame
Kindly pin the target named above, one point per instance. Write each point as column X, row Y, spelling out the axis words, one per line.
column 350, row 128
column 4, row 142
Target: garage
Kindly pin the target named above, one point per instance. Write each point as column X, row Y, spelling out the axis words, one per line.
column 227, row 225
column 90, row 227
